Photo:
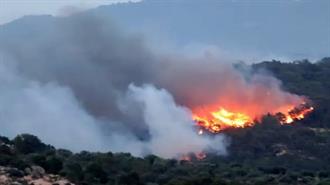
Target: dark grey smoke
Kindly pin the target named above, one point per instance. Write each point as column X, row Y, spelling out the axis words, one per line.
column 84, row 53
column 80, row 82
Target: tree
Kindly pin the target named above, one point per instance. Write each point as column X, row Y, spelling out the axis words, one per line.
column 53, row 165
column 27, row 143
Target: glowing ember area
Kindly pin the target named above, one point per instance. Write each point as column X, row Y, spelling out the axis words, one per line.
column 221, row 118
column 198, row 156
column 297, row 113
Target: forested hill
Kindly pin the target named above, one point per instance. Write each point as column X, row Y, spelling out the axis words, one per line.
column 302, row 77
column 307, row 79
column 267, row 154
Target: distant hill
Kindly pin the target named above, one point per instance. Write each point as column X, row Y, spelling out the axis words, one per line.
column 292, row 29
column 277, row 28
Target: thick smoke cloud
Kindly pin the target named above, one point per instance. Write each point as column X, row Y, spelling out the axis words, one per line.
column 68, row 83
column 170, row 126
column 208, row 81
column 81, row 83
column 48, row 110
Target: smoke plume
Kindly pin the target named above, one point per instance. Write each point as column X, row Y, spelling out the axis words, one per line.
column 81, row 83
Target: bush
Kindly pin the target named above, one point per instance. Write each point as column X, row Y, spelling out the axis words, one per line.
column 130, row 179
column 27, row 143
column 73, row 171
column 95, row 173
column 53, row 165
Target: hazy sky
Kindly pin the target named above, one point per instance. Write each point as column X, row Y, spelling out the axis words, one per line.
column 13, row 9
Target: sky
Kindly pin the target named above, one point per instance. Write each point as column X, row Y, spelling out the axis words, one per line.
column 13, row 9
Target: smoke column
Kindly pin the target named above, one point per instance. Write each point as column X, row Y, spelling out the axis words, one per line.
column 81, row 83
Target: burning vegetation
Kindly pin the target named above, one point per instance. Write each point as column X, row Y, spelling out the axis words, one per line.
column 296, row 113
column 216, row 120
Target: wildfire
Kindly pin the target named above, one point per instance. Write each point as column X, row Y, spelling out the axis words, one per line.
column 189, row 157
column 221, row 118
column 297, row 113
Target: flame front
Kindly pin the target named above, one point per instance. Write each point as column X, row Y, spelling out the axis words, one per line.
column 221, row 118
column 297, row 113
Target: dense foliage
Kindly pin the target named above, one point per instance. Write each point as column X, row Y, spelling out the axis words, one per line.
column 268, row 153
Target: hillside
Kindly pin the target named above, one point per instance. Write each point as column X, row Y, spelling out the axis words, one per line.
column 268, row 153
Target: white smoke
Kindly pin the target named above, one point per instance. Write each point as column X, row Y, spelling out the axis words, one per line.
column 171, row 127
column 52, row 112
column 73, row 90
column 48, row 111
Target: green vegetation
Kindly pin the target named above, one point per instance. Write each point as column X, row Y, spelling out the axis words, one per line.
column 266, row 154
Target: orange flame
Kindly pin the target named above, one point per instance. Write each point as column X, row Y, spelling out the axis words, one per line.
column 198, row 156
column 221, row 119
column 297, row 113
column 217, row 120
